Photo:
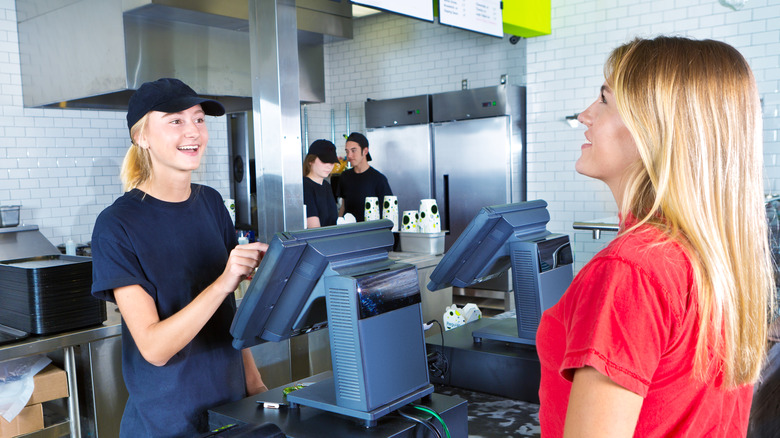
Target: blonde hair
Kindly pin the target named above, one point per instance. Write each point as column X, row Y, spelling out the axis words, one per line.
column 693, row 109
column 137, row 165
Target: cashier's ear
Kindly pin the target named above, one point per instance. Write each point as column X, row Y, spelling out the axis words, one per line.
column 140, row 140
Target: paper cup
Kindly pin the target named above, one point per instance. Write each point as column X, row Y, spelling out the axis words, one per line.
column 230, row 204
column 430, row 221
column 371, row 211
column 409, row 221
column 390, row 210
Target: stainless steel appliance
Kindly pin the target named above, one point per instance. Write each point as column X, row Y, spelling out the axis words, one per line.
column 464, row 148
column 401, row 144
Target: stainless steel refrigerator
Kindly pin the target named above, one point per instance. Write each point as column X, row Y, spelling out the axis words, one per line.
column 400, row 143
column 464, row 148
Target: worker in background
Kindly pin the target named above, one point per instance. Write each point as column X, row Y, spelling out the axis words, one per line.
column 321, row 208
column 361, row 181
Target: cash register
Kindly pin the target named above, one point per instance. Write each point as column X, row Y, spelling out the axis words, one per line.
column 340, row 277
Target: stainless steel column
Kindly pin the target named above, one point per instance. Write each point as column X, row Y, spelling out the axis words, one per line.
column 74, row 415
column 273, row 46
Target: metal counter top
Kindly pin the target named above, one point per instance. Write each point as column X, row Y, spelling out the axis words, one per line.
column 611, row 224
column 44, row 344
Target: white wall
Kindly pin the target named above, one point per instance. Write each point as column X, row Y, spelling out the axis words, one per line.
column 63, row 165
column 393, row 56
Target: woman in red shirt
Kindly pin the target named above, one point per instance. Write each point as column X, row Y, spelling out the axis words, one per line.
column 662, row 333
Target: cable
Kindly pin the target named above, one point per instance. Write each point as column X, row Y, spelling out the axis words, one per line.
column 437, row 360
column 421, row 421
column 435, row 414
column 441, row 331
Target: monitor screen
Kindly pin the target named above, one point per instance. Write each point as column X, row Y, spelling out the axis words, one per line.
column 504, row 236
column 480, row 253
column 286, row 296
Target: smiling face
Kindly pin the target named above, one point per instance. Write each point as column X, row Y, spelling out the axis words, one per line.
column 176, row 141
column 610, row 148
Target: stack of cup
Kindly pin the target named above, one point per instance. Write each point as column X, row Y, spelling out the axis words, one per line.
column 371, row 211
column 409, row 221
column 430, row 221
column 390, row 210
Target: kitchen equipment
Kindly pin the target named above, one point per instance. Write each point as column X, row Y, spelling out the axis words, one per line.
column 9, row 216
column 43, row 291
column 399, row 139
column 464, row 148
column 426, row 243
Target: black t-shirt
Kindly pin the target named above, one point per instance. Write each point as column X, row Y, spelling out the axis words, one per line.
column 320, row 202
column 173, row 250
column 356, row 187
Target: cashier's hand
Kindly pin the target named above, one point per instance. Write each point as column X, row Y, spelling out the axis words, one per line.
column 242, row 262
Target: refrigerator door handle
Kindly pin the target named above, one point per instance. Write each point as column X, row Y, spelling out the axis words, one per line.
column 446, row 202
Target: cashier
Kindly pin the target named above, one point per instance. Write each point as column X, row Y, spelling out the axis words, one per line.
column 361, row 181
column 166, row 253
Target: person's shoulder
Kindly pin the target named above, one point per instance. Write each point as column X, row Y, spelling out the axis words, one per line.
column 375, row 173
column 127, row 201
column 651, row 251
column 206, row 193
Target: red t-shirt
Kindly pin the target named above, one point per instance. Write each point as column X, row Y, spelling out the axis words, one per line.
column 632, row 315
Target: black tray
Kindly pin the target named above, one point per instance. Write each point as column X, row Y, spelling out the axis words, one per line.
column 9, row 335
column 49, row 294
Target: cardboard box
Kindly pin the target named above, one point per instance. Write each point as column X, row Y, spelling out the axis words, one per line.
column 51, row 383
column 29, row 420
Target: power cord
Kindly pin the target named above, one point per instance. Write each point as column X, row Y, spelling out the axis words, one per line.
column 425, row 423
column 435, row 414
column 437, row 361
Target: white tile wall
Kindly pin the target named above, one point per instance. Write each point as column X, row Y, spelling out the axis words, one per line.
column 63, row 165
column 392, row 56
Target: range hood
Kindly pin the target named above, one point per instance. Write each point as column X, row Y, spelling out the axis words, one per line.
column 95, row 53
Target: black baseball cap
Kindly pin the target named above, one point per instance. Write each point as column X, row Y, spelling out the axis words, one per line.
column 167, row 95
column 361, row 140
column 324, row 150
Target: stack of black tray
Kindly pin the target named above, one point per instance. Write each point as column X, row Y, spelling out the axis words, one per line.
column 49, row 294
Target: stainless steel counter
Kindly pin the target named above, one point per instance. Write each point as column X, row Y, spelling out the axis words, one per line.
column 67, row 343
column 45, row 344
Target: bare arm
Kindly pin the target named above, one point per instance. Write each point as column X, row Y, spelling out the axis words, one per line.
column 159, row 340
column 600, row 407
column 313, row 222
column 254, row 382
column 342, row 209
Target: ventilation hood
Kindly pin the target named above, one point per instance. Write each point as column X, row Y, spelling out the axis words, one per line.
column 95, row 53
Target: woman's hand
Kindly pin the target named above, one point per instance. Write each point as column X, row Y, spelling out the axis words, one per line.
column 242, row 261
